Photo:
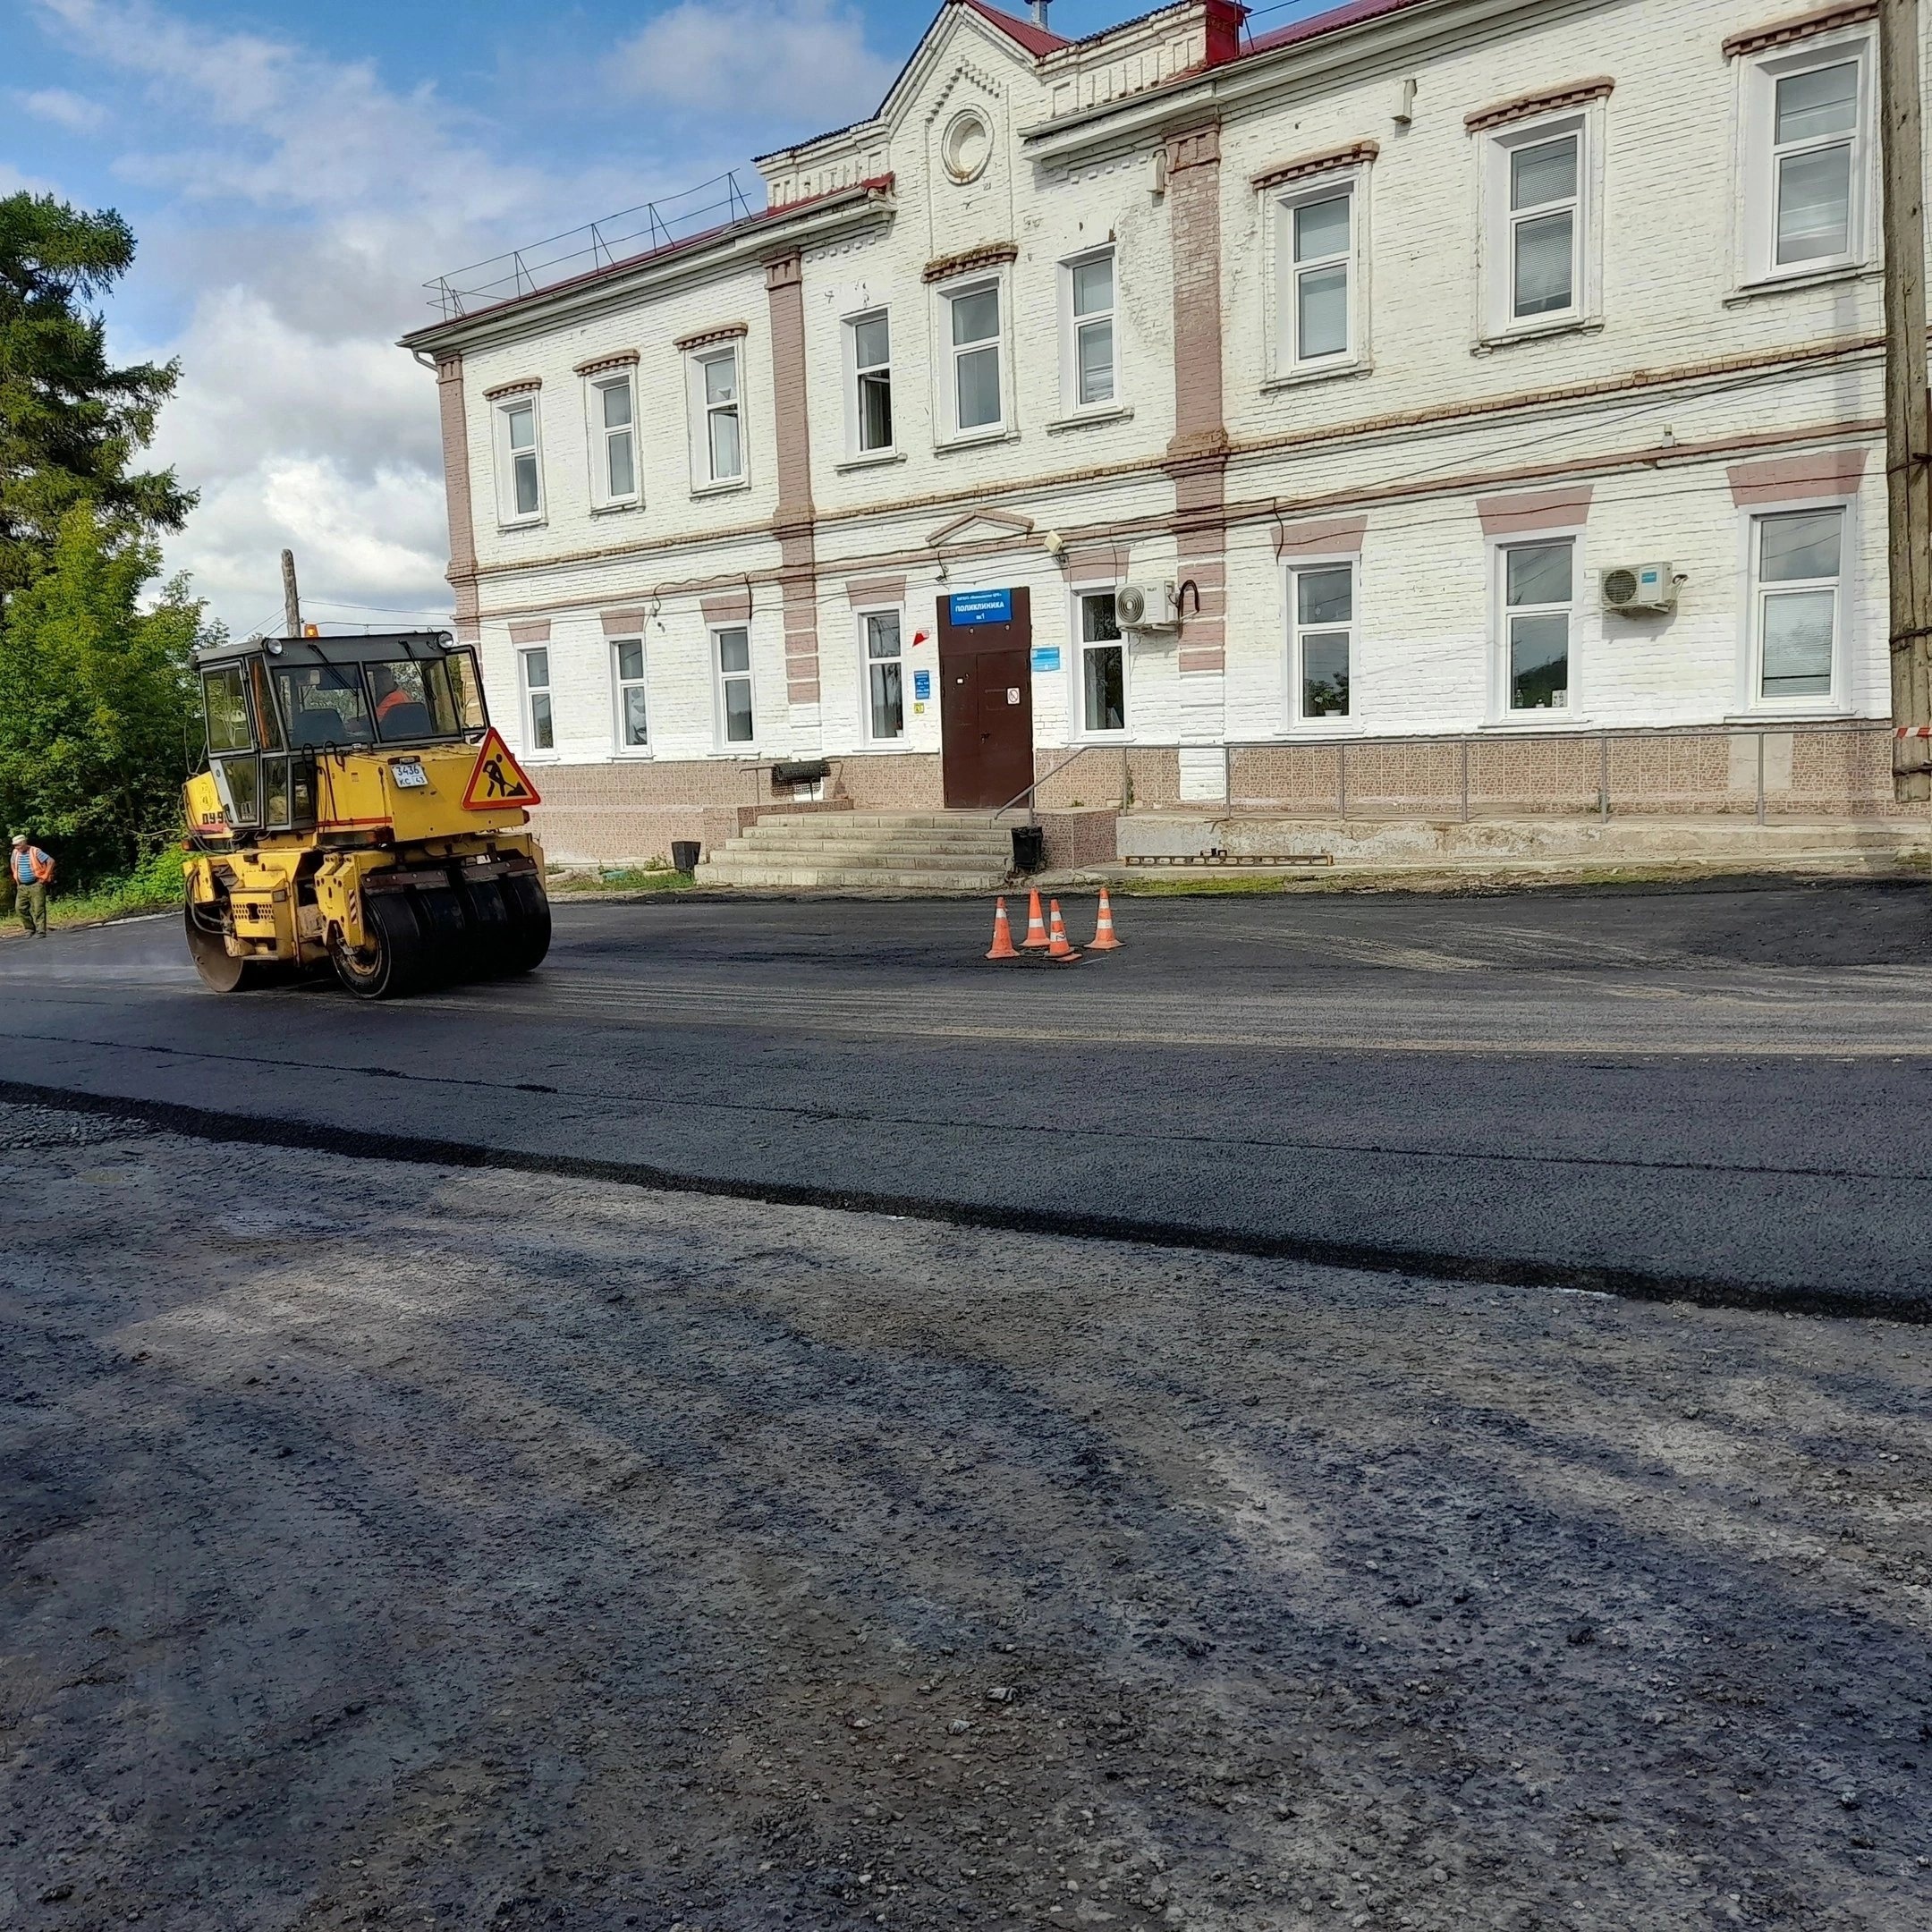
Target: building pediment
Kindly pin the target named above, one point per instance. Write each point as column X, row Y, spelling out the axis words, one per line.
column 971, row 51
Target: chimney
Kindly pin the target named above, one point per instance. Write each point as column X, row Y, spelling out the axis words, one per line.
column 1224, row 19
column 1039, row 14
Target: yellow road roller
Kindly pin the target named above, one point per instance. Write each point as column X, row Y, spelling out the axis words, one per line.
column 357, row 810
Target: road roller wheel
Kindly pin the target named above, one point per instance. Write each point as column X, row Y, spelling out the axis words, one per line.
column 218, row 968
column 486, row 913
column 395, row 961
column 449, row 947
column 530, row 922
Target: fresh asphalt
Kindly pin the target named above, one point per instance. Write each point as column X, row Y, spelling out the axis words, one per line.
column 1719, row 1091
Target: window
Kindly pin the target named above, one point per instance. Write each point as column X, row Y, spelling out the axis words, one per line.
column 1808, row 153
column 732, row 648
column 974, row 319
column 539, row 725
column 1318, row 241
column 1813, row 138
column 414, row 699
column 885, row 674
column 613, row 440
column 627, row 681
column 1540, row 227
column 324, row 705
column 1103, row 665
column 870, row 344
column 519, row 462
column 1797, row 557
column 225, row 694
column 1087, row 288
column 1321, row 604
column 717, row 419
column 1536, row 579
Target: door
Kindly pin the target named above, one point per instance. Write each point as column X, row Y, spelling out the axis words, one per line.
column 986, row 696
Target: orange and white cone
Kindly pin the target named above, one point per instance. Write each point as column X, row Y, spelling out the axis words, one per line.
column 1003, row 946
column 1057, row 947
column 1035, row 926
column 1104, row 940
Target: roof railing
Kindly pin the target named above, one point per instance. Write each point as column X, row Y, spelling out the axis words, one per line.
column 630, row 234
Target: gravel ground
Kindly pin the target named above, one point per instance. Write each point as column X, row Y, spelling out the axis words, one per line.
column 391, row 1545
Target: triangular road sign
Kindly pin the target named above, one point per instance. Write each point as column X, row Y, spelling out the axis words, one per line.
column 497, row 781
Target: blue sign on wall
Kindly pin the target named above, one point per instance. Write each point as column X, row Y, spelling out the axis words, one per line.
column 981, row 606
column 1046, row 658
column 922, row 685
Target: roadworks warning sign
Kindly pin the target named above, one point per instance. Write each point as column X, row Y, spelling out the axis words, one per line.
column 497, row 781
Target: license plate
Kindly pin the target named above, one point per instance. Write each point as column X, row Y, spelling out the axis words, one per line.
column 410, row 775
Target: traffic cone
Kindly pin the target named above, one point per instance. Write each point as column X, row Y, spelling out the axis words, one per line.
column 1003, row 946
column 1057, row 948
column 1104, row 940
column 1035, row 927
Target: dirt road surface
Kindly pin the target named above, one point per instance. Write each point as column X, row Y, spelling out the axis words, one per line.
column 391, row 1545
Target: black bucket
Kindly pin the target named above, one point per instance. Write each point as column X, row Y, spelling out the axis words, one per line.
column 1029, row 848
column 684, row 855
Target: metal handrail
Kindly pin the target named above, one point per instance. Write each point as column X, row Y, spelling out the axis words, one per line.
column 1032, row 791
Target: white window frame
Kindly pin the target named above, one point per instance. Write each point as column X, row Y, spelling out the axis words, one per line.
column 528, row 692
column 739, row 746
column 945, row 362
column 1758, row 188
column 508, row 514
column 1837, row 702
column 1286, row 364
column 1500, row 322
column 619, row 684
column 1073, row 326
column 600, row 439
column 860, row 614
column 1298, row 719
column 1500, row 711
column 701, row 410
column 856, row 450
column 1077, row 704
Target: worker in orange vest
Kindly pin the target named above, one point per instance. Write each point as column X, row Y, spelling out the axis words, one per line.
column 32, row 872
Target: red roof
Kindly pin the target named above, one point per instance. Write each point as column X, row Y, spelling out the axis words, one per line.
column 1354, row 13
column 1036, row 41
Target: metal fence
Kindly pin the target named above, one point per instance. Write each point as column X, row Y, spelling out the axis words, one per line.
column 1764, row 771
column 628, row 235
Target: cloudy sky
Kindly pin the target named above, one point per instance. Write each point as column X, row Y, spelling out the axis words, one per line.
column 296, row 174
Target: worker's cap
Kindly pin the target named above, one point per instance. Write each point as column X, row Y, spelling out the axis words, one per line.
column 20, row 838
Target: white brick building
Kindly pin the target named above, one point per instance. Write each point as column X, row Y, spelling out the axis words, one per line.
column 1380, row 338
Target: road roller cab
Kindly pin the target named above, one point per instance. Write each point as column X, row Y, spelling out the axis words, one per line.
column 357, row 810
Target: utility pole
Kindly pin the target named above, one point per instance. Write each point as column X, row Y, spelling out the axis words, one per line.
column 1908, row 406
column 292, row 596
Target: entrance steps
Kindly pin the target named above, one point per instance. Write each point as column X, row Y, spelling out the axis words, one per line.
column 865, row 851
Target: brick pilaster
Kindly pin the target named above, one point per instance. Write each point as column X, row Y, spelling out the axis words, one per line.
column 462, row 563
column 792, row 522
column 1197, row 458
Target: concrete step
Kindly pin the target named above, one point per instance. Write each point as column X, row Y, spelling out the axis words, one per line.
column 938, row 821
column 780, row 878
column 805, row 849
column 856, row 859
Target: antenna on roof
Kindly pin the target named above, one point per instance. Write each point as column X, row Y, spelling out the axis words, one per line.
column 1039, row 14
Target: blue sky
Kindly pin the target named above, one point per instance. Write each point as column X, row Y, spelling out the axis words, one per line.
column 294, row 175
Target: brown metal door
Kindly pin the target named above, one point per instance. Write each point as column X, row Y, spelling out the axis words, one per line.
column 986, row 706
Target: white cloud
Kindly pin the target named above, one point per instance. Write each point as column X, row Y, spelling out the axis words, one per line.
column 745, row 56
column 65, row 109
column 308, row 203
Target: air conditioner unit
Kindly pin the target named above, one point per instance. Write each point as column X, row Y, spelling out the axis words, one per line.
column 1636, row 589
column 1147, row 606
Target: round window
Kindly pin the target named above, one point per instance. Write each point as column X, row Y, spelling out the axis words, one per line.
column 967, row 147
